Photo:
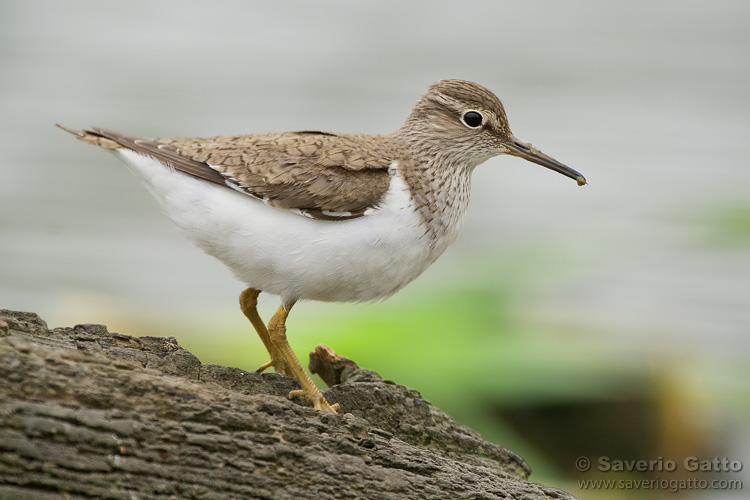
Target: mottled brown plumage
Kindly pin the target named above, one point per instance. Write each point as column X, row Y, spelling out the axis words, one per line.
column 324, row 175
column 309, row 170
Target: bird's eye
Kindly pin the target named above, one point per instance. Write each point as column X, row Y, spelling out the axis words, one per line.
column 472, row 119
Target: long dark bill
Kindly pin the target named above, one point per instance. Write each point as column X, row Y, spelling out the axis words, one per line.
column 525, row 150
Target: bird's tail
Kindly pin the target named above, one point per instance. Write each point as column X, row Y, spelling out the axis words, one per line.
column 91, row 137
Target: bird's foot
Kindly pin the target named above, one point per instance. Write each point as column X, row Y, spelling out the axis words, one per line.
column 317, row 399
column 264, row 367
column 278, row 366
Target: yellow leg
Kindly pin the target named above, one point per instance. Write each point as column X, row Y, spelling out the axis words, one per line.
column 277, row 335
column 249, row 306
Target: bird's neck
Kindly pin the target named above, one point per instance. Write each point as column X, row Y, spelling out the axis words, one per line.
column 441, row 196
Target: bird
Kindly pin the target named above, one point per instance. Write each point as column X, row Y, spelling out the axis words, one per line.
column 324, row 216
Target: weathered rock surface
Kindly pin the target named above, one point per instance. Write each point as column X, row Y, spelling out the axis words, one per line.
column 85, row 413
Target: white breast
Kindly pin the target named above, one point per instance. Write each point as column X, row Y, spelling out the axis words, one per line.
column 283, row 253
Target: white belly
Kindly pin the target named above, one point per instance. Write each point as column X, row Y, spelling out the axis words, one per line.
column 280, row 252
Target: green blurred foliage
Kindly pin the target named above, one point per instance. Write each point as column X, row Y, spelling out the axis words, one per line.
column 728, row 223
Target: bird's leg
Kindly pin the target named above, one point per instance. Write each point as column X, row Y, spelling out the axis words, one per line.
column 249, row 306
column 277, row 333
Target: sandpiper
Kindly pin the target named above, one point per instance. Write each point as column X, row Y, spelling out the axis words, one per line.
column 327, row 216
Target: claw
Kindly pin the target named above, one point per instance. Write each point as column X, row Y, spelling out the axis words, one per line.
column 264, row 367
column 318, row 401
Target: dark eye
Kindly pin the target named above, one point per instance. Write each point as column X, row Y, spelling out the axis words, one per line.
column 472, row 119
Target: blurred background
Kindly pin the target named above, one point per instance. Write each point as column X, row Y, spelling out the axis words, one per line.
column 611, row 320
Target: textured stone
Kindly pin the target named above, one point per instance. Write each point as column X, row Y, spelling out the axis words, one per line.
column 85, row 413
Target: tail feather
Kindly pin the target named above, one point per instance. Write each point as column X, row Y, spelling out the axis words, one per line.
column 91, row 137
column 164, row 153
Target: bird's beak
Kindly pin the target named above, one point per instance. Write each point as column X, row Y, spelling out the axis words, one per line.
column 525, row 150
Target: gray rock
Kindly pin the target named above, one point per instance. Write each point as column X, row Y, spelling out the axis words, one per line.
column 85, row 413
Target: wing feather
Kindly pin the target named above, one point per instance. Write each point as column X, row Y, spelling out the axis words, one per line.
column 316, row 174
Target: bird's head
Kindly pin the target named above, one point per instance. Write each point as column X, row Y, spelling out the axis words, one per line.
column 465, row 124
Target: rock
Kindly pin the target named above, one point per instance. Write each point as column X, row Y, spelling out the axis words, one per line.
column 85, row 413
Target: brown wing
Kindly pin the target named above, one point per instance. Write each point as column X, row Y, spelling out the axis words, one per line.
column 321, row 175
column 318, row 173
